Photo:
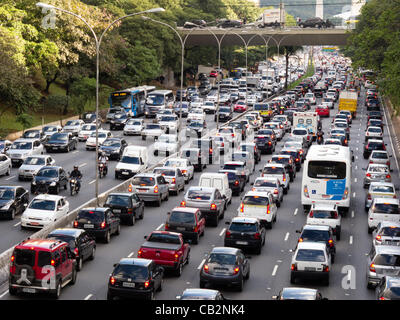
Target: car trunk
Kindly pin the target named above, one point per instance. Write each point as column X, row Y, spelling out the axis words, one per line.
column 220, row 269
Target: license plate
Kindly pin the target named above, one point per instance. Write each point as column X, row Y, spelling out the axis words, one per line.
column 117, row 210
column 28, row 290
column 88, row 226
column 128, row 284
column 34, row 223
column 392, row 243
column 125, row 173
column 309, row 269
column 181, row 228
column 142, row 190
column 242, row 242
column 55, row 148
column 325, row 196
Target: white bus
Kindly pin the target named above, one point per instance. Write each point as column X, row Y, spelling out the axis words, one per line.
column 327, row 177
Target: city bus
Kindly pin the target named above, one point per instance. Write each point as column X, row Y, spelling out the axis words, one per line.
column 132, row 99
column 327, row 177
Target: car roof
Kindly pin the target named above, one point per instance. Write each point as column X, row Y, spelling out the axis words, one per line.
column 135, row 261
column 226, row 250
column 185, row 209
column 316, row 227
column 45, row 196
column 244, row 220
column 200, row 292
column 66, row 231
column 311, row 245
column 47, row 244
column 311, row 293
column 98, row 209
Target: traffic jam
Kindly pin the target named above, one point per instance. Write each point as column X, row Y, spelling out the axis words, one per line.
column 302, row 182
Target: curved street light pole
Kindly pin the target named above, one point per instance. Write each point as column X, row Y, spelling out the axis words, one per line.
column 98, row 42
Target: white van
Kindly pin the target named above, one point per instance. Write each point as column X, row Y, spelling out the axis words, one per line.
column 133, row 160
column 219, row 181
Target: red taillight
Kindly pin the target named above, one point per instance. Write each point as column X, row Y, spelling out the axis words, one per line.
column 372, row 268
column 300, row 239
column 206, row 268
column 12, row 259
column 369, row 197
column 211, row 150
column 284, row 177
column 130, row 210
column 236, row 270
column 227, row 234
column 311, row 214
column 183, row 203
column 166, row 226
column 368, row 175
column 276, row 191
column 213, row 206
column 388, row 163
column 233, row 134
column 330, row 242
column 156, row 189
column 236, row 182
column 103, row 225
column 268, row 211
column 269, row 143
column 378, row 238
column 241, row 207
column 130, row 188
column 146, row 283
column 326, row 268
column 112, row 281
column 195, row 229
column 297, row 159
column 139, row 254
column 75, row 224
column 388, row 176
column 76, row 251
column 173, row 180
column 257, row 236
column 184, row 171
column 382, row 298
column 223, row 144
column 293, row 267
column 52, row 262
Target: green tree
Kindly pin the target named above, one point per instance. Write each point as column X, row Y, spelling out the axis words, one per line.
column 25, row 120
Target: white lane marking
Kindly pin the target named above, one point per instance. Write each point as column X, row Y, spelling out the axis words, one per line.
column 356, row 167
column 295, row 211
column 17, row 224
column 83, row 164
column 355, row 179
column 222, row 232
column 351, row 240
column 352, row 214
column 76, row 151
column 287, row 236
column 131, row 254
column 160, row 226
column 3, row 294
column 356, row 149
column 356, row 157
column 91, row 182
column 10, row 178
column 354, row 194
column 88, row 297
column 201, row 264
column 349, row 275
column 274, row 271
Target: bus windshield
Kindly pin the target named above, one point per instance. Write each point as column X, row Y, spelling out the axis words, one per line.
column 326, row 170
column 155, row 100
column 120, row 99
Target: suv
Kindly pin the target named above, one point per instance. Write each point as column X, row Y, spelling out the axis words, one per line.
column 98, row 222
column 35, row 262
column 61, row 141
column 126, row 205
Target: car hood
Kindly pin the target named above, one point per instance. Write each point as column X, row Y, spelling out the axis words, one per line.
column 45, row 179
column 37, row 213
column 31, row 167
column 71, row 127
column 5, row 202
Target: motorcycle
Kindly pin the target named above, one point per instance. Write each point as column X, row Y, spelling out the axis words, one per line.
column 73, row 186
column 102, row 170
column 320, row 140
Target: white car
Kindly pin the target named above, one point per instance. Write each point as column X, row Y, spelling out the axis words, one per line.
column 163, row 112
column 373, row 133
column 303, row 133
column 196, row 103
column 73, row 126
column 166, row 144
column 379, row 157
column 184, row 165
column 376, row 190
column 196, row 114
column 277, row 170
column 33, row 164
column 133, row 127
column 277, row 127
column 310, row 260
column 153, row 130
column 230, row 134
column 49, row 130
column 209, row 106
column 170, row 123
column 246, row 157
column 383, row 209
column 43, row 210
column 387, row 233
column 326, row 214
column 269, row 184
column 102, row 136
column 251, row 100
column 327, row 102
column 86, row 131
column 23, row 148
column 5, row 165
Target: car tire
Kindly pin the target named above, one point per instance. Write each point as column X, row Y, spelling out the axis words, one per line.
column 57, row 190
column 107, row 237
column 9, row 172
column 240, row 286
column 132, row 220
column 178, row 271
column 158, row 202
column 74, row 275
column 110, row 296
column 79, row 264
column 196, row 239
column 12, row 291
column 12, row 214
column 370, row 230
column 118, row 231
column 278, row 204
column 292, row 278
column 338, row 230
column 57, row 292
column 258, row 250
column 93, row 253
column 269, row 225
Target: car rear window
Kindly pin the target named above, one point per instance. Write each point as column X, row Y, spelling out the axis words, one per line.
column 390, row 232
column 378, row 169
column 134, row 272
column 265, row 183
column 222, row 258
column 256, row 200
column 199, row 195
column 391, row 260
column 95, row 216
column 44, row 258
column 182, row 217
column 375, row 130
column 118, row 200
column 24, row 257
column 379, row 155
column 143, row 181
column 375, row 145
column 386, row 208
column 310, row 255
column 165, row 172
column 233, row 167
column 384, row 189
column 243, row 227
column 282, row 160
column 68, row 239
column 164, row 237
column 315, row 235
column 273, row 170
column 323, row 214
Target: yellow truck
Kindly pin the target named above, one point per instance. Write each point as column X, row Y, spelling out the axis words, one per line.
column 348, row 101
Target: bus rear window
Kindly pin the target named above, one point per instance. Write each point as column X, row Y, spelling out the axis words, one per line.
column 326, row 170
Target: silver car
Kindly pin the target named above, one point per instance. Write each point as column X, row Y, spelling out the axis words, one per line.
column 387, row 233
column 377, row 172
column 208, row 200
column 32, row 165
column 150, row 187
column 379, row 157
column 173, row 176
column 382, row 261
column 133, row 127
column 269, row 184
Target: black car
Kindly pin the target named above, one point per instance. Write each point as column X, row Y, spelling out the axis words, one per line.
column 98, row 222
column 264, row 143
column 245, row 233
column 204, row 89
column 288, row 162
column 195, row 129
column 297, row 293
column 296, row 156
column 34, row 134
column 181, row 93
column 113, row 148
column 228, row 23
column 388, row 288
column 373, row 105
column 225, row 266
column 372, row 145
column 79, row 241
column 135, row 278
column 13, row 200
column 184, row 109
column 50, row 179
column 224, row 114
column 127, row 206
column 61, row 141
column 119, row 120
column 236, row 182
column 89, row 117
column 374, row 115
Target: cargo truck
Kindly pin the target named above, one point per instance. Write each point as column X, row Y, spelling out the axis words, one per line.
column 348, row 101
column 271, row 18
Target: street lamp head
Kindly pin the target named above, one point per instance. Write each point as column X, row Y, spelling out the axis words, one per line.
column 145, row 18
column 154, row 10
column 45, row 5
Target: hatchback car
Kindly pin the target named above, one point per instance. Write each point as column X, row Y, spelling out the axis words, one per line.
column 13, row 200
column 113, row 148
column 269, row 184
column 380, row 157
column 288, row 162
column 173, row 176
column 376, row 172
column 127, row 206
column 371, row 145
column 325, row 214
column 386, row 233
column 49, row 179
column 225, row 266
column 379, row 190
column 383, row 209
column 32, row 165
column 133, row 127
column 373, row 133
column 150, row 187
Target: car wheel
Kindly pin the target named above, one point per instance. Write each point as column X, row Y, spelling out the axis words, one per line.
column 278, row 204
column 118, row 231
column 57, row 190
column 57, row 292
column 370, row 230
column 9, row 172
column 370, row 285
column 292, row 279
column 74, row 275
column 179, row 270
column 12, row 291
column 258, row 250
column 79, row 264
column 240, row 286
column 12, row 214
column 132, row 220
column 196, row 239
column 107, row 237
column 110, row 296
column 93, row 253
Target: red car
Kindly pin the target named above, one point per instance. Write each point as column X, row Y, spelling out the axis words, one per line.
column 322, row 111
column 213, row 74
column 240, row 106
column 166, row 249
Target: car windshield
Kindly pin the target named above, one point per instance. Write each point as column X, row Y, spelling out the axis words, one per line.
column 101, row 135
column 118, row 200
column 143, row 181
column 6, row 194
column 120, row 116
column 383, row 189
column 387, row 208
column 375, row 145
column 111, row 143
column 72, row 123
column 196, row 125
column 164, row 237
column 310, row 255
column 168, row 118
column 41, row 204
column 199, row 195
column 265, row 183
column 130, row 160
column 226, row 110
column 315, row 235
column 88, row 128
column 222, row 259
column 48, row 173
column 33, row 161
column 232, row 166
column 239, row 156
column 243, row 227
column 256, row 200
column 49, row 129
column 390, row 260
column 130, row 271
column 265, row 132
column 226, row 130
column 155, row 100
column 68, row 239
column 31, row 134
column 182, row 217
column 22, row 145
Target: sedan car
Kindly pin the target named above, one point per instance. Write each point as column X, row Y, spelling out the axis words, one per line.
column 322, row 111
column 325, row 214
column 126, row 205
column 133, row 127
column 62, row 141
column 113, row 148
column 166, row 144
column 13, row 200
column 86, row 131
column 32, row 165
column 229, row 23
column 73, row 126
column 377, row 172
column 103, row 135
column 240, row 106
column 50, row 179
column 225, row 266
column 379, row 157
column 50, row 130
column 34, row 134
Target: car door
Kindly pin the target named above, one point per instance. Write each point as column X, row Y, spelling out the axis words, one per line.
column 219, row 201
column 242, row 261
column 137, row 205
column 3, row 164
column 84, row 245
column 20, row 202
column 180, row 177
column 163, row 185
column 66, row 263
column 200, row 221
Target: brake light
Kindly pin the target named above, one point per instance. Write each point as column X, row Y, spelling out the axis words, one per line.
column 378, row 238
column 173, row 180
column 223, row 144
column 236, row 182
column 112, row 281
column 236, row 270
column 184, row 171
column 369, row 197
column 293, row 267
column 257, row 236
column 368, row 175
column 176, row 256
column 52, row 262
column 211, row 150
column 372, row 268
column 284, row 177
column 382, row 298
column 139, row 254
column 130, row 188
column 241, row 207
column 76, row 251
column 146, row 283
column 183, row 203
column 233, row 134
column 227, row 234
column 311, row 214
column 388, row 163
column 103, row 225
column 330, row 242
column 75, row 224
column 213, row 206
column 300, row 239
column 268, row 210
column 297, row 159
column 388, row 176
column 276, row 191
column 166, row 227
column 269, row 143
column 206, row 268
column 325, row 268
column 156, row 189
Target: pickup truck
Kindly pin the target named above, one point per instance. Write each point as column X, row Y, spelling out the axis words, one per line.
column 167, row 249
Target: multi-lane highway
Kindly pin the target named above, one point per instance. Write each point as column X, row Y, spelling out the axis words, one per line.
column 270, row 271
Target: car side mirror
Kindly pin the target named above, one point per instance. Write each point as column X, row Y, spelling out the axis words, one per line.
column 114, row 265
column 364, row 169
column 145, row 237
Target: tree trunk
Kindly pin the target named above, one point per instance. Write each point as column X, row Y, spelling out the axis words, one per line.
column 68, row 85
column 49, row 82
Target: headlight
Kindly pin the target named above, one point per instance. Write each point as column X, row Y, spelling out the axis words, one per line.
column 7, row 206
column 53, row 184
column 33, row 182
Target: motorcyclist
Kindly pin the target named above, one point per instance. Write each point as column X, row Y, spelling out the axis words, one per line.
column 320, row 135
column 77, row 175
column 104, row 160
